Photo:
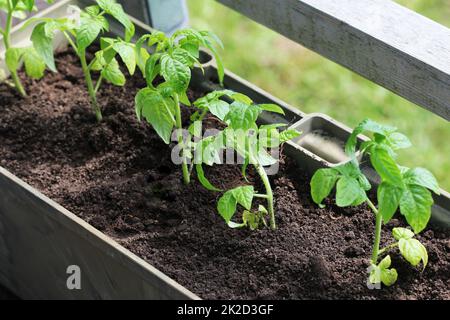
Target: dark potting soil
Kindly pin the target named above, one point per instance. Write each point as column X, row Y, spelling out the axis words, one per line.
column 119, row 177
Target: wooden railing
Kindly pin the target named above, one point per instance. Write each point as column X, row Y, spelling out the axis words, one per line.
column 382, row 41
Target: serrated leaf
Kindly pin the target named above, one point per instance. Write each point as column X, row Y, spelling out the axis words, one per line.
column 127, row 53
column 13, row 57
column 270, row 107
column 219, row 108
column 349, row 169
column 157, row 110
column 240, row 97
column 388, row 200
column 219, row 63
column 382, row 273
column 114, row 9
column 398, row 140
column 415, row 205
column 34, row 65
column 386, row 166
column 43, row 44
column 89, row 29
column 203, row 180
column 421, row 177
column 242, row 116
column 322, row 183
column 227, row 206
column 112, row 73
column 348, row 191
column 207, row 151
column 364, row 182
column 175, row 72
column 92, row 10
column 288, row 135
column 184, row 99
column 413, row 251
column 402, row 233
column 29, row 4
column 244, row 196
column 269, row 138
column 184, row 57
column 366, row 125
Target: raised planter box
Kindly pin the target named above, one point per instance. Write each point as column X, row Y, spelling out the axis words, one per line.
column 39, row 239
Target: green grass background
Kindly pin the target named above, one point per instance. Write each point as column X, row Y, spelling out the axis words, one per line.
column 315, row 84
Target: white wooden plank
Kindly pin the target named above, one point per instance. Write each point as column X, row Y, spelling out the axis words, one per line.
column 387, row 43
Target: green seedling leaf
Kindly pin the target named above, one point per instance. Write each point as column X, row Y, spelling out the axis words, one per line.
column 251, row 220
column 157, row 110
column 219, row 108
column 203, row 180
column 289, row 134
column 402, row 233
column 415, row 205
column 43, row 44
column 175, row 72
column 227, row 206
column 398, row 141
column 413, row 251
column 270, row 107
column 322, row 183
column 13, row 57
column 127, row 53
column 114, row 9
column 240, row 97
column 244, row 196
column 382, row 273
column 421, row 177
column 242, row 116
column 386, row 166
column 388, row 200
column 113, row 74
column 89, row 29
column 34, row 65
column 152, row 69
column 349, row 192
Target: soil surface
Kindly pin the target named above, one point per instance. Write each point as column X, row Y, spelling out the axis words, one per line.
column 119, row 177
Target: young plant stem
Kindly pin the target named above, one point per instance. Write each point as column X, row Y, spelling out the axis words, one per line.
column 376, row 244
column 90, row 85
column 263, row 196
column 178, row 124
column 269, row 194
column 389, row 247
column 7, row 41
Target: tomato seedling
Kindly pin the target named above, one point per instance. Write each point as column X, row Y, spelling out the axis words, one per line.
column 172, row 59
column 81, row 31
column 34, row 65
column 401, row 187
column 250, row 141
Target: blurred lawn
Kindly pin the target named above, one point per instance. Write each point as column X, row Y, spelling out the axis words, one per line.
column 314, row 84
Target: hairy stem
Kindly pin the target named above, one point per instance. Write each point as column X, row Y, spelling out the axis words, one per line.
column 269, row 194
column 90, row 86
column 7, row 41
column 178, row 124
column 376, row 244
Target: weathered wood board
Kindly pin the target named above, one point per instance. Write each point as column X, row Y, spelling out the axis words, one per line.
column 39, row 240
column 388, row 44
